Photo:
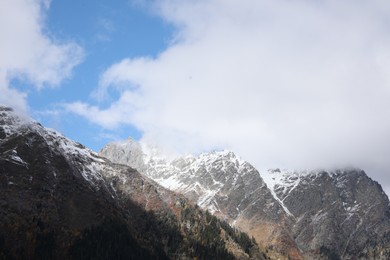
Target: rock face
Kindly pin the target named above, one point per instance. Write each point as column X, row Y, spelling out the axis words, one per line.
column 222, row 183
column 341, row 213
column 60, row 200
column 330, row 215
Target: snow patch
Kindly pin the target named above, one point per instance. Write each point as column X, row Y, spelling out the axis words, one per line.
column 12, row 156
column 277, row 179
column 17, row 159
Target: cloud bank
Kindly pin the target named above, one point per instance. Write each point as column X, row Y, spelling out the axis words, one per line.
column 295, row 84
column 28, row 52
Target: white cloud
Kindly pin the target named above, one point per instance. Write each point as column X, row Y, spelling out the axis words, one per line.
column 110, row 118
column 283, row 83
column 28, row 52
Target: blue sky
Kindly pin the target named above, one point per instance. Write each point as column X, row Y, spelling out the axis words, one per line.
column 107, row 31
column 289, row 84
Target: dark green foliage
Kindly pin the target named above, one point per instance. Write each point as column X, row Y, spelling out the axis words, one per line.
column 209, row 251
column 203, row 239
column 239, row 237
column 331, row 255
column 206, row 235
column 110, row 240
column 45, row 248
column 3, row 249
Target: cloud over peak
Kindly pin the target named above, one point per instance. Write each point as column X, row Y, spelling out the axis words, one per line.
column 283, row 83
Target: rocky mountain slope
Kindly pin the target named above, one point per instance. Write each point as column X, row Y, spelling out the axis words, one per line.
column 221, row 183
column 341, row 213
column 60, row 200
column 319, row 214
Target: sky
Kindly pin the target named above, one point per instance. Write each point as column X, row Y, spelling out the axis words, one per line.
column 296, row 84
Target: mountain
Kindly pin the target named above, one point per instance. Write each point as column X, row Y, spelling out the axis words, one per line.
column 220, row 182
column 60, row 200
column 315, row 214
column 342, row 213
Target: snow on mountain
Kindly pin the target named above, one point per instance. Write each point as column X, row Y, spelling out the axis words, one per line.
column 332, row 213
column 283, row 182
column 343, row 211
column 74, row 204
column 197, row 176
column 12, row 123
column 334, row 205
column 200, row 178
column 220, row 182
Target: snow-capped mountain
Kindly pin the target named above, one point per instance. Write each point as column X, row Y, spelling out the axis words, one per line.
column 308, row 214
column 220, row 182
column 205, row 178
column 343, row 211
column 60, row 200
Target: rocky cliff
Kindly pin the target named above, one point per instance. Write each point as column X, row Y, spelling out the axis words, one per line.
column 318, row 214
column 59, row 200
column 341, row 213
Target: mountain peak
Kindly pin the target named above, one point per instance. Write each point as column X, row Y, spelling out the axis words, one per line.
column 11, row 120
column 5, row 108
column 222, row 183
column 302, row 208
column 75, row 204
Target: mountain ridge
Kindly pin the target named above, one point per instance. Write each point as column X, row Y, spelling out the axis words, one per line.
column 280, row 207
column 60, row 199
column 59, row 195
